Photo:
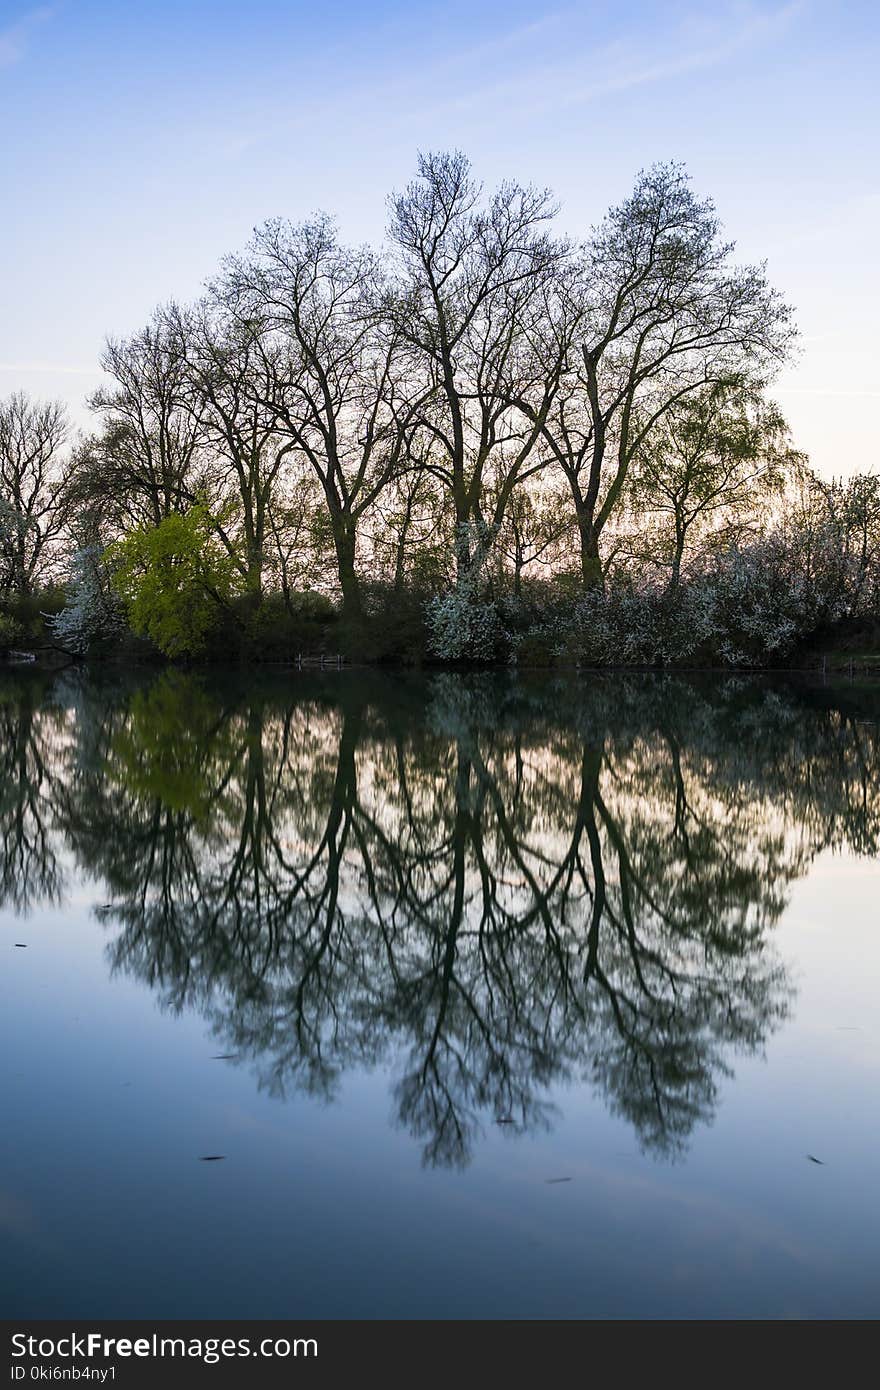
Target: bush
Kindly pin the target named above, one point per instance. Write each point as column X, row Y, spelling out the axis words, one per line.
column 466, row 623
column 91, row 617
column 394, row 628
column 753, row 608
column 760, row 605
column 23, row 617
column 12, row 633
column 279, row 629
column 622, row 626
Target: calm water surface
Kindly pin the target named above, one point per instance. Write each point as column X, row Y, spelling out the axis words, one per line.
column 498, row 998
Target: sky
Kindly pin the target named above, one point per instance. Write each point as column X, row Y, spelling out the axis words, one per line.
column 139, row 143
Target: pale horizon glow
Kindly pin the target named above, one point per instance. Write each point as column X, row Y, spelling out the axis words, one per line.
column 145, row 143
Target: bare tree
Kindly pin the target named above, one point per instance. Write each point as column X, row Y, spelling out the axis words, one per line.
column 243, row 448
column 143, row 465
column 474, row 279
column 329, row 370
column 661, row 313
column 33, row 501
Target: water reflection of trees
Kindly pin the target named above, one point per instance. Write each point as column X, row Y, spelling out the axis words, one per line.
column 31, row 730
column 490, row 885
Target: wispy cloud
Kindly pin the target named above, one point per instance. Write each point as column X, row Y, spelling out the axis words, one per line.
column 553, row 63
column 588, row 71
column 14, row 39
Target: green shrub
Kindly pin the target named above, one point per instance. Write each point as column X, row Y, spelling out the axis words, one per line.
column 12, row 633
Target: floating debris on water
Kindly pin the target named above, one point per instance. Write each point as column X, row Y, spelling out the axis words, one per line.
column 211, row 1158
column 816, row 1160
column 555, row 1180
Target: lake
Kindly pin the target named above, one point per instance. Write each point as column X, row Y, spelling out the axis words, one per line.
column 385, row 995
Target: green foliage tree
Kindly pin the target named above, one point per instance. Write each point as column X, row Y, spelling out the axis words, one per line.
column 710, row 469
column 175, row 580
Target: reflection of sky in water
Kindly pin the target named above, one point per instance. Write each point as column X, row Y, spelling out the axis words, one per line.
column 327, row 1210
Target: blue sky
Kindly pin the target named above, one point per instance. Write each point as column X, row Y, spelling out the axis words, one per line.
column 140, row 142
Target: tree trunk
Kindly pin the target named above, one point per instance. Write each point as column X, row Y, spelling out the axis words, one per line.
column 254, row 535
column 345, row 541
column 254, row 576
column 398, row 567
column 400, row 550
column 463, row 556
column 591, row 565
column 22, row 585
column 674, row 584
column 517, row 572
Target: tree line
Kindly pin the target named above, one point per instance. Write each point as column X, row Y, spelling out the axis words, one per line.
column 482, row 413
